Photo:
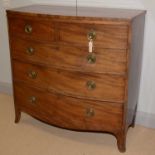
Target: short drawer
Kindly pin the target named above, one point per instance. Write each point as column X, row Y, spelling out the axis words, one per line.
column 106, row 36
column 32, row 29
column 68, row 112
column 102, row 60
column 73, row 83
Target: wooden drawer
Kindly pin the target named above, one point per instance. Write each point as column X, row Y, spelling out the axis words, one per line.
column 31, row 74
column 107, row 36
column 103, row 60
column 84, row 85
column 68, row 112
column 32, row 29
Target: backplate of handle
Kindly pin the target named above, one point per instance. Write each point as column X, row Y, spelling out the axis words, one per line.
column 30, row 51
column 32, row 74
column 28, row 28
column 91, row 58
column 32, row 99
column 90, row 112
column 91, row 35
column 91, row 85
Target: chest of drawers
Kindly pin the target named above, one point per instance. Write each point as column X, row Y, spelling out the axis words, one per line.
column 78, row 71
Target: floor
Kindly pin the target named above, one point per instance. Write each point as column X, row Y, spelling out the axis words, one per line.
column 32, row 137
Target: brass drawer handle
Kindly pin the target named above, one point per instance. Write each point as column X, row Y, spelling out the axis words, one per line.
column 90, row 112
column 32, row 99
column 28, row 29
column 30, row 50
column 32, row 74
column 91, row 35
column 91, row 58
column 91, row 85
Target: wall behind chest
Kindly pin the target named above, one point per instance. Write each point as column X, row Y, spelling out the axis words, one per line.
column 5, row 69
column 5, row 75
column 98, row 3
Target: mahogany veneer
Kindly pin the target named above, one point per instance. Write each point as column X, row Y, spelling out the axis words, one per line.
column 57, row 80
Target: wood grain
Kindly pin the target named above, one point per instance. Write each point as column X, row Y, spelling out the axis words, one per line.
column 108, row 87
column 70, row 57
column 57, row 91
column 107, row 36
column 40, row 30
column 69, row 112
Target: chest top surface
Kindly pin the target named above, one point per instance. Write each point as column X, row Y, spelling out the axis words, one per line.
column 104, row 13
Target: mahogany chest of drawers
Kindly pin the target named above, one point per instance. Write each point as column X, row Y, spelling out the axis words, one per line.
column 77, row 70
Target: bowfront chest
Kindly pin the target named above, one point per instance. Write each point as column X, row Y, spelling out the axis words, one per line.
column 77, row 70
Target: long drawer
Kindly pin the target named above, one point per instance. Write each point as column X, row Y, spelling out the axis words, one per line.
column 86, row 85
column 105, row 36
column 58, row 55
column 68, row 112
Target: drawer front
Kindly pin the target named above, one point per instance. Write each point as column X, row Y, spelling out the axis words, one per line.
column 31, row 74
column 32, row 29
column 93, row 86
column 68, row 112
column 102, row 60
column 106, row 36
